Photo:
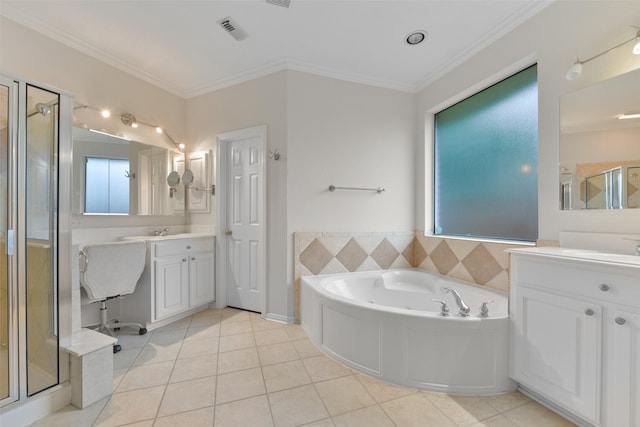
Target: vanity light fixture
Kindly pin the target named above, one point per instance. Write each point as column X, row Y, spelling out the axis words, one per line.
column 576, row 69
column 158, row 129
column 629, row 116
column 105, row 113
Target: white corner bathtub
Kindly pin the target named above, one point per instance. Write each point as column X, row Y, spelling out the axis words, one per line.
column 384, row 324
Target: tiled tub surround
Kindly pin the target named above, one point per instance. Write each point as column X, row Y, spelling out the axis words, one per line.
column 233, row 368
column 482, row 263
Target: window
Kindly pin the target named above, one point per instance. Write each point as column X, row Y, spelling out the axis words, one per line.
column 106, row 186
column 486, row 162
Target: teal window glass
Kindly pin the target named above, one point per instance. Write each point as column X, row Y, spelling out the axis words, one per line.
column 106, row 186
column 486, row 162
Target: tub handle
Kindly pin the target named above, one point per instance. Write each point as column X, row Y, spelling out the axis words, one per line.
column 484, row 310
column 444, row 310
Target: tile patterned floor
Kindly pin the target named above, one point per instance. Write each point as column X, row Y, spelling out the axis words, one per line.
column 233, row 368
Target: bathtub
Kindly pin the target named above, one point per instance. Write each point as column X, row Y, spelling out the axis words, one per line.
column 384, row 324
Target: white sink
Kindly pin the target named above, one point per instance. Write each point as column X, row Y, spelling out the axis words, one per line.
column 168, row 236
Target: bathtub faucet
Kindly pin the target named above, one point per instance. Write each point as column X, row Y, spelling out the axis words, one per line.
column 462, row 307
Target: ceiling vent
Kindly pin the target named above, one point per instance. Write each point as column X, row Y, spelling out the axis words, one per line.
column 232, row 28
column 283, row 3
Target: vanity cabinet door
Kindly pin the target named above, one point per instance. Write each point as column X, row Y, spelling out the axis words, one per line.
column 171, row 285
column 556, row 344
column 624, row 360
column 201, row 287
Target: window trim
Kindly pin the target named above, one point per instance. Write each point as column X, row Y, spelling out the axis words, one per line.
column 429, row 149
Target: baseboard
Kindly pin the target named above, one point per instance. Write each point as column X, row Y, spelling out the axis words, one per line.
column 555, row 408
column 279, row 318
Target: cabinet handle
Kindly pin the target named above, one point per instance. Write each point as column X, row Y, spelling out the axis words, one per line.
column 604, row 288
column 184, row 260
column 193, row 258
column 589, row 312
column 189, row 247
column 620, row 321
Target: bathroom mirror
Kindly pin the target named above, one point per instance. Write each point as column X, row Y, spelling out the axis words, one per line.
column 173, row 179
column 113, row 176
column 599, row 152
column 187, row 177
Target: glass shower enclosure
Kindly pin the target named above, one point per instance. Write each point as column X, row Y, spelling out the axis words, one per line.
column 29, row 322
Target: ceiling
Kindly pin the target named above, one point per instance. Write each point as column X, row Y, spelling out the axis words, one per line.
column 179, row 45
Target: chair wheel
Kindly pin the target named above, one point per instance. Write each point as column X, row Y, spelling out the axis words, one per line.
column 142, row 331
column 117, row 348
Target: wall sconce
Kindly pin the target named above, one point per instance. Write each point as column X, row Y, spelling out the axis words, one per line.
column 576, row 69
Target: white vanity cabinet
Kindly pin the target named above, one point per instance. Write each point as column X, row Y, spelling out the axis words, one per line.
column 178, row 280
column 575, row 332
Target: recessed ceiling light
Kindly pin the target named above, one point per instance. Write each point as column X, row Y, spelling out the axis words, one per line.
column 416, row 37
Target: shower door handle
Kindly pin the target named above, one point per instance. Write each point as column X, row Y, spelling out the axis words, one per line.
column 228, row 232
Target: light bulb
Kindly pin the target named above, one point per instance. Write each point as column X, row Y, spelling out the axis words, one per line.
column 105, row 113
column 574, row 72
column 636, row 47
column 134, row 125
column 181, row 146
column 159, row 129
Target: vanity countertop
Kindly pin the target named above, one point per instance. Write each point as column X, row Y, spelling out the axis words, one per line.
column 581, row 255
column 170, row 236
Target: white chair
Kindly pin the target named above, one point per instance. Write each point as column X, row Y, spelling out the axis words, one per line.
column 111, row 270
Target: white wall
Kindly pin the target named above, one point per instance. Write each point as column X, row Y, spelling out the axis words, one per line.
column 552, row 38
column 257, row 102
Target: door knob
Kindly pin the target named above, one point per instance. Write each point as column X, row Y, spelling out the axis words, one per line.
column 228, row 232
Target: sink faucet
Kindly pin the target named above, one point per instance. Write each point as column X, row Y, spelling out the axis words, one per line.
column 462, row 307
column 162, row 232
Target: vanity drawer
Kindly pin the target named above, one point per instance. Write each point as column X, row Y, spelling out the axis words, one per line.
column 592, row 280
column 182, row 246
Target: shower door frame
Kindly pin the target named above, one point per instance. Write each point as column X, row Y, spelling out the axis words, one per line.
column 16, row 263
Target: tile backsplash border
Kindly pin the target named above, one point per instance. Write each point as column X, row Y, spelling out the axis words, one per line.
column 481, row 263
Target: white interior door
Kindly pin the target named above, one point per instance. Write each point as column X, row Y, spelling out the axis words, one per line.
column 244, row 231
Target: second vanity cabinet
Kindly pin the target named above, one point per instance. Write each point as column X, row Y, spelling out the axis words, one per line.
column 178, row 278
column 575, row 332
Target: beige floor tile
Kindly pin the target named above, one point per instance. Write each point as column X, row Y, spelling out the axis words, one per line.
column 146, row 376
column 178, row 324
column 327, row 422
column 382, row 391
column 285, row 375
column 118, row 375
column 194, row 367
column 238, row 360
column 497, row 421
column 295, row 332
column 260, row 324
column 198, row 347
column 72, row 416
column 197, row 418
column 201, row 332
column 165, row 338
column 322, row 368
column 147, row 423
column 133, row 340
column 205, row 318
column 415, row 410
column 234, row 328
column 277, row 353
column 237, row 342
column 131, row 407
column 271, row 336
column 239, row 385
column 296, row 406
column 306, row 348
column 235, row 316
column 188, row 395
column 252, row 412
column 462, row 410
column 343, row 394
column 124, row 358
column 154, row 353
column 533, row 414
column 366, row 417
column 507, row 401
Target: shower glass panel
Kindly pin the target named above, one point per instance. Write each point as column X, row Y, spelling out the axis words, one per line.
column 4, row 270
column 41, row 239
